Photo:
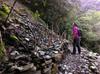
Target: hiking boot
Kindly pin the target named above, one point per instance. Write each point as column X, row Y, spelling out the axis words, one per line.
column 73, row 53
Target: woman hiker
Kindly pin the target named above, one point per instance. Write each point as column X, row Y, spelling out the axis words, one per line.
column 76, row 38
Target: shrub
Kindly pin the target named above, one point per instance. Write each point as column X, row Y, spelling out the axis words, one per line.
column 4, row 10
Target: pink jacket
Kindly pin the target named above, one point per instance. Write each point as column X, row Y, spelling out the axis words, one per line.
column 75, row 32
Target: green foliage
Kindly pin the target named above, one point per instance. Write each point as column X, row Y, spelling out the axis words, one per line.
column 2, row 14
column 68, row 27
column 91, row 36
column 86, row 22
column 4, row 10
column 14, row 38
column 44, row 3
column 36, row 15
column 91, row 17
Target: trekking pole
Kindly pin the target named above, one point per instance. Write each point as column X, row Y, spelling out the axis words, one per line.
column 52, row 34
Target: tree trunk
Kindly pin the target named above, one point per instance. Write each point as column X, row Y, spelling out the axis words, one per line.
column 3, row 55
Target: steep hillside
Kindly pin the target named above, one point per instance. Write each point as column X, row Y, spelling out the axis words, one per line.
column 30, row 46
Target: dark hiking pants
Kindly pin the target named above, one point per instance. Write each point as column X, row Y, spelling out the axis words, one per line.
column 76, row 44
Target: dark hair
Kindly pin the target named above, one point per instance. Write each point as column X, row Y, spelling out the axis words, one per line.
column 75, row 24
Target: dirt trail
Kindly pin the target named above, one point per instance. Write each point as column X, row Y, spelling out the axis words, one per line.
column 85, row 63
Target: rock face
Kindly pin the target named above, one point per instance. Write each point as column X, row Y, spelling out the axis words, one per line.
column 30, row 47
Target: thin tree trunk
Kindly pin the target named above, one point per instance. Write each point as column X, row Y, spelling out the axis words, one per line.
column 3, row 54
column 10, row 11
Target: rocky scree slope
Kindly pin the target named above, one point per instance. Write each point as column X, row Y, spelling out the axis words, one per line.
column 30, row 46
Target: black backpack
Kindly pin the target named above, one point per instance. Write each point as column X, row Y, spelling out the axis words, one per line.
column 79, row 32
